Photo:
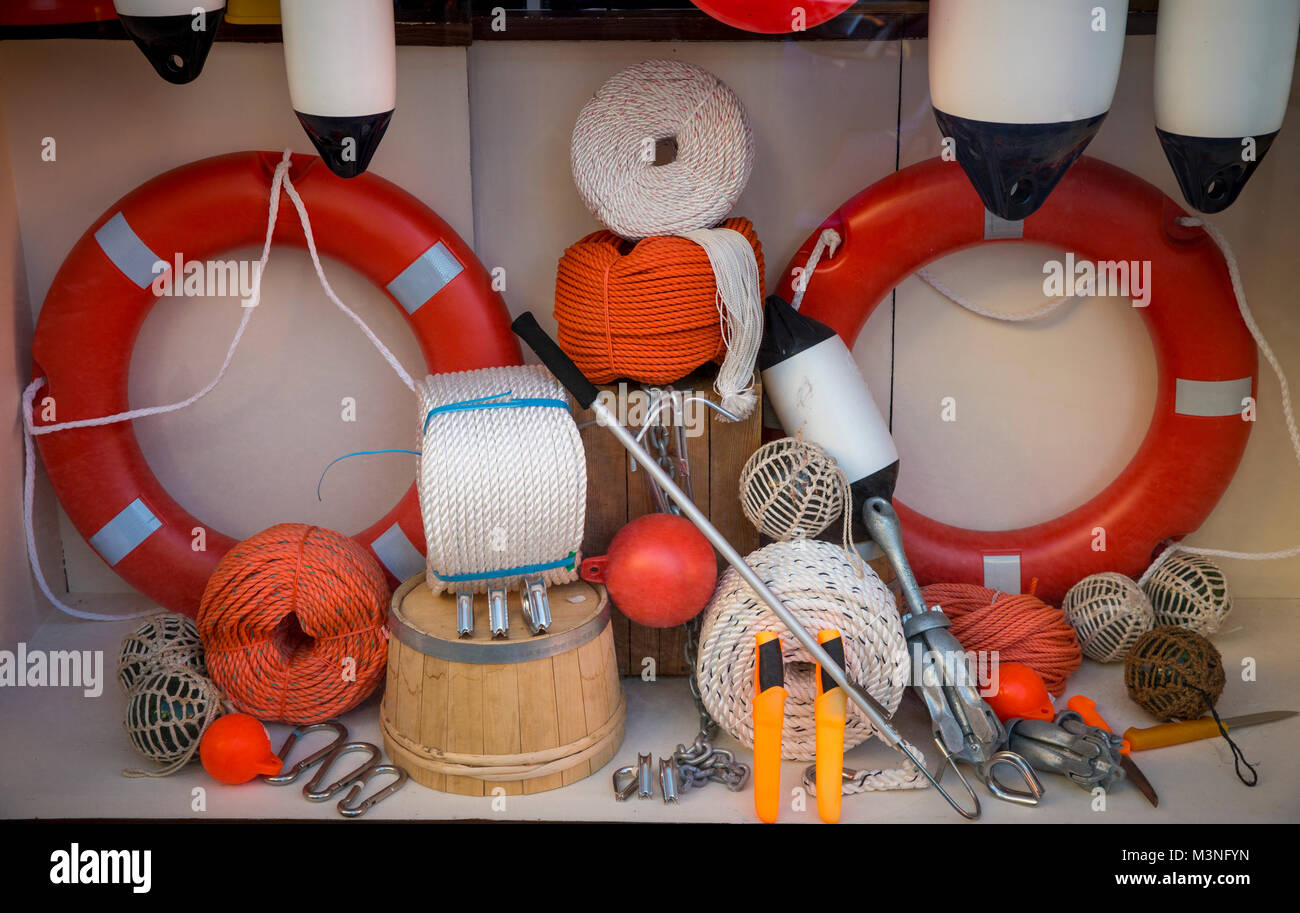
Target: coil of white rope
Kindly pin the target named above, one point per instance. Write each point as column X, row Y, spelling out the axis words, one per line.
column 830, row 239
column 502, row 479
column 280, row 180
column 817, row 582
column 613, row 157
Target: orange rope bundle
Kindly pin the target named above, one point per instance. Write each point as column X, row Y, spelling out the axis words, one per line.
column 646, row 310
column 292, row 623
column 1022, row 628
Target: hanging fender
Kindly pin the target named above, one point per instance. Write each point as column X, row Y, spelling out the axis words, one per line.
column 1205, row 357
column 103, row 291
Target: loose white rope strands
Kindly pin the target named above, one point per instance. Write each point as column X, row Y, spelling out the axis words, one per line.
column 280, row 180
column 830, row 239
column 740, row 308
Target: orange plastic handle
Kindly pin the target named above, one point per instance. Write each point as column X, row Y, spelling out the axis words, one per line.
column 830, row 711
column 1171, row 734
column 769, row 719
column 1086, row 707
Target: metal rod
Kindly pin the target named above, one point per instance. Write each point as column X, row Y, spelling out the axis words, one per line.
column 874, row 712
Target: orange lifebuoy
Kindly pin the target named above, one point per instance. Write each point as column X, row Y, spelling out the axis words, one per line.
column 102, row 293
column 1205, row 357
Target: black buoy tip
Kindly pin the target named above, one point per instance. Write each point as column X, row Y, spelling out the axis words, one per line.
column 346, row 144
column 1014, row 167
column 172, row 44
column 1213, row 170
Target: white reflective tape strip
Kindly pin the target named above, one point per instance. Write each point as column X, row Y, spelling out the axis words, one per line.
column 426, row 277
column 997, row 228
column 402, row 559
column 1211, row 398
column 118, row 537
column 123, row 246
column 1002, row 573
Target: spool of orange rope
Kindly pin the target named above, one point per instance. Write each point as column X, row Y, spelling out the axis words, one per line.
column 1020, row 627
column 292, row 624
column 647, row 310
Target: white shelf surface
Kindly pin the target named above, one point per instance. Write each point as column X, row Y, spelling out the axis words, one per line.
column 61, row 754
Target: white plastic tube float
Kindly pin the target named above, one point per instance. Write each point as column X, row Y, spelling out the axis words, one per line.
column 819, row 393
column 175, row 35
column 1021, row 87
column 1222, row 79
column 341, row 58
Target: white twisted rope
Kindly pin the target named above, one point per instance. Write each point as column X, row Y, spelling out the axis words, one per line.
column 279, row 180
column 500, row 488
column 819, row 585
column 830, row 239
column 613, row 161
column 612, row 152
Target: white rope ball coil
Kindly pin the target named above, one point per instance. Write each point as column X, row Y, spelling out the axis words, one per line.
column 613, row 150
column 1109, row 612
column 502, row 484
column 818, row 583
column 1189, row 591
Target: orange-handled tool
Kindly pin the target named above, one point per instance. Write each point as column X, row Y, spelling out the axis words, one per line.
column 829, row 712
column 1086, row 707
column 1191, row 730
column 769, row 719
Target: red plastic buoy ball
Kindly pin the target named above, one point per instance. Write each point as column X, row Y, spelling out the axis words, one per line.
column 236, row 748
column 660, row 570
column 773, row 17
column 1021, row 693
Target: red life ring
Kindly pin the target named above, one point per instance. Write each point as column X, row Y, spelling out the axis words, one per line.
column 101, row 295
column 1205, row 357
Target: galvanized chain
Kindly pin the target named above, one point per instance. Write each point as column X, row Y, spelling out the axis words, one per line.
column 701, row 763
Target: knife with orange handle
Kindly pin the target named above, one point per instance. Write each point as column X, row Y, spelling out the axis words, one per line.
column 1086, row 707
column 1191, row 730
column 829, row 712
column 769, row 719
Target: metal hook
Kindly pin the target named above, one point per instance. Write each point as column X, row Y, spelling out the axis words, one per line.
column 348, row 810
column 1018, row 796
column 313, row 791
column 289, row 775
column 625, row 782
column 948, row 761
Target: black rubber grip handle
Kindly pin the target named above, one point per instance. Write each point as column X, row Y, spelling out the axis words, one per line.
column 566, row 372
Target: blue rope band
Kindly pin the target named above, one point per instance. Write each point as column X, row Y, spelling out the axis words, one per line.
column 358, row 453
column 567, row 563
column 493, row 402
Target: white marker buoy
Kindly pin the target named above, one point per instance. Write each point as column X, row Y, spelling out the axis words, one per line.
column 175, row 35
column 819, row 393
column 341, row 58
column 1021, row 87
column 1222, row 80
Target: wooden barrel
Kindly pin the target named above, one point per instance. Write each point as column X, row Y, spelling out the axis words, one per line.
column 526, row 713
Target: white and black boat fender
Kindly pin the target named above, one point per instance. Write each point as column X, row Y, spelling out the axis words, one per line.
column 175, row 35
column 1020, row 87
column 341, row 58
column 1222, row 80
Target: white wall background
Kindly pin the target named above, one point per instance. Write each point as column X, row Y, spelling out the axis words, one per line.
column 1048, row 414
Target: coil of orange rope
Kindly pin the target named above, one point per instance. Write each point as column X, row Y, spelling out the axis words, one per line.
column 1019, row 626
column 647, row 310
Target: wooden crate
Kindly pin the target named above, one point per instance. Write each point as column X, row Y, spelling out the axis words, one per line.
column 616, row 495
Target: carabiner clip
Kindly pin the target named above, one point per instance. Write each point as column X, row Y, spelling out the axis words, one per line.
column 289, row 774
column 313, row 792
column 348, row 810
